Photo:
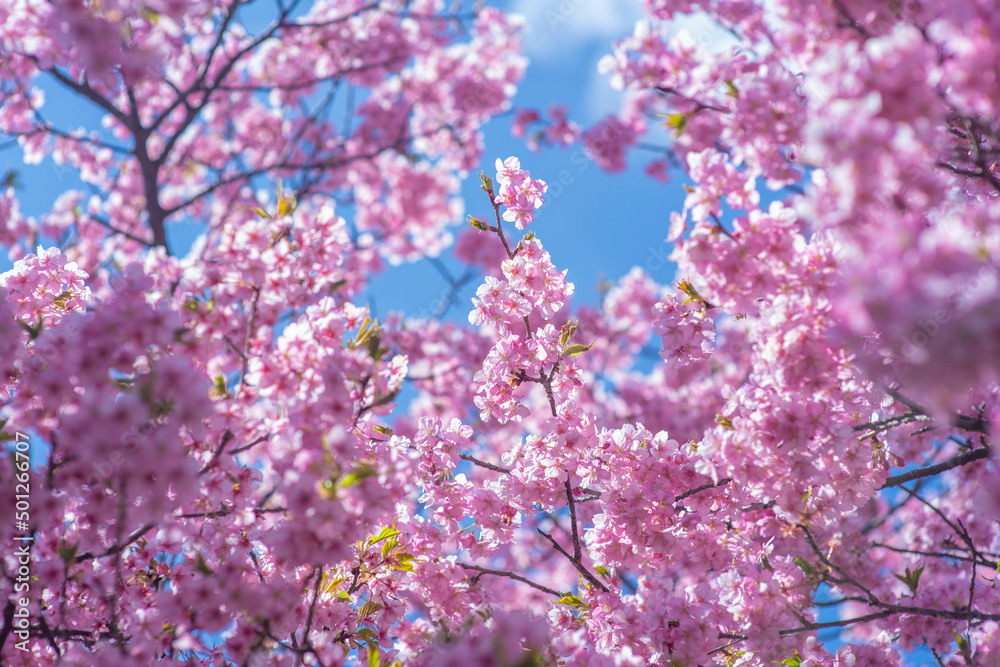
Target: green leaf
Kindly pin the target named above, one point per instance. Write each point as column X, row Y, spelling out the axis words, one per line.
column 911, row 579
column 33, row 331
column 286, row 204
column 368, row 608
column 487, row 185
column 261, row 212
column 571, row 600
column 804, row 565
column 965, row 648
column 731, row 90
column 767, row 564
column 63, row 298
column 384, row 430
column 793, row 661
column 678, row 121
column 567, row 332
column 388, row 398
column 478, row 224
column 12, row 180
column 405, row 563
column 330, row 583
column 388, row 547
column 385, row 534
column 201, row 565
column 576, row 349
column 689, row 290
column 373, row 655
column 67, row 553
column 328, row 489
column 373, row 342
column 219, row 386
column 361, row 472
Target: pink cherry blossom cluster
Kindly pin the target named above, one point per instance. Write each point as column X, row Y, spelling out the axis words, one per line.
column 607, row 142
column 518, row 192
column 44, row 286
column 532, row 288
column 558, row 131
column 686, row 333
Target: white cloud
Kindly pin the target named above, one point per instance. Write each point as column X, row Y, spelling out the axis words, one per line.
column 705, row 31
column 601, row 98
column 561, row 28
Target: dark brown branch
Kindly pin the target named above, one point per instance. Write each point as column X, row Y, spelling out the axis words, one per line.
column 114, row 549
column 837, row 624
column 312, row 605
column 699, row 106
column 954, row 462
column 703, row 487
column 964, row 422
column 577, row 547
column 584, row 572
column 889, row 422
column 934, row 554
column 223, row 441
column 499, row 227
column 85, row 90
column 851, row 21
column 511, row 575
column 8, row 623
column 251, row 331
column 483, row 464
column 240, row 450
column 257, row 567
column 104, row 223
column 226, row 512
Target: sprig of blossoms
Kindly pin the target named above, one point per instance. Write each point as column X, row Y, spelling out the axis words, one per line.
column 45, row 286
column 518, row 192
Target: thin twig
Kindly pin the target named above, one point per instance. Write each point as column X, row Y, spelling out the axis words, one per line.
column 584, row 572
column 511, row 575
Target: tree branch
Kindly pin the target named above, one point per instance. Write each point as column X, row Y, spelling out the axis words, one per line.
column 511, row 575
column 584, row 572
column 954, row 462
